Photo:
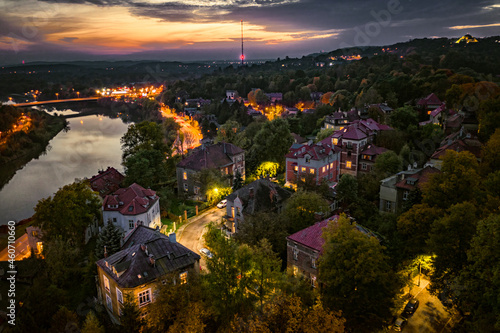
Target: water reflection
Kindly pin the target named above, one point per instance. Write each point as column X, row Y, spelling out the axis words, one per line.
column 92, row 143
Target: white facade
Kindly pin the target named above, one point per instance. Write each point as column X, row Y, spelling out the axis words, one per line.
column 151, row 218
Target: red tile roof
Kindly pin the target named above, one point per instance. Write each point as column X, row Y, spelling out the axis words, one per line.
column 373, row 150
column 317, row 151
column 431, row 99
column 312, row 236
column 421, row 177
column 132, row 200
column 353, row 132
column 106, row 182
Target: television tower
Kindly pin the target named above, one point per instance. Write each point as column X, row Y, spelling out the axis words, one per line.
column 242, row 54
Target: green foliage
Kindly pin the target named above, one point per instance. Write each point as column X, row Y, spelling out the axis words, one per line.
column 144, row 136
column 64, row 320
column 237, row 181
column 267, row 169
column 357, row 277
column 109, row 238
column 347, row 190
column 130, row 320
column 324, row 133
column 302, row 208
column 148, row 168
column 228, row 132
column 68, row 214
column 403, row 117
column 387, row 163
column 480, row 279
column 491, row 154
column 91, row 324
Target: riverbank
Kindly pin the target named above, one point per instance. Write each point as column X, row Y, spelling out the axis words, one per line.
column 21, row 147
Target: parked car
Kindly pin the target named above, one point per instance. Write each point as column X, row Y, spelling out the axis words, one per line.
column 206, row 252
column 411, row 306
column 399, row 324
column 222, row 204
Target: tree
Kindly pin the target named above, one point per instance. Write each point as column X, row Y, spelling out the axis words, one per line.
column 324, row 133
column 237, row 181
column 491, row 154
column 149, row 168
column 302, row 208
column 347, row 190
column 458, row 181
column 267, row 169
column 91, row 324
column 130, row 320
column 228, row 131
column 272, row 142
column 62, row 262
column 403, row 117
column 387, row 163
column 449, row 240
column 69, row 213
column 109, row 240
column 144, row 136
column 357, row 277
column 489, row 117
column 481, row 278
column 64, row 320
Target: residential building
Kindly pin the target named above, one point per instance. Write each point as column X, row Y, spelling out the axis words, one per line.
column 106, row 181
column 368, row 157
column 35, row 242
column 394, row 190
column 231, row 94
column 459, row 141
column 337, row 121
column 130, row 207
column 320, row 161
column 261, row 195
column 146, row 260
column 305, row 247
column 222, row 156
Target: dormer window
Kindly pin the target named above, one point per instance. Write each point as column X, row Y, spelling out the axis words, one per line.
column 130, row 208
column 308, row 158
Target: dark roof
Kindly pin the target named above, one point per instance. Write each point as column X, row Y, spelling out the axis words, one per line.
column 107, row 181
column 132, row 266
column 208, row 157
column 471, row 145
column 353, row 132
column 373, row 150
column 134, row 200
column 418, row 178
column 266, row 195
column 431, row 99
column 316, row 151
column 454, row 121
column 298, row 139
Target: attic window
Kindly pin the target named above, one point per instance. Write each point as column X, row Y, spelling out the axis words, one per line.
column 130, row 208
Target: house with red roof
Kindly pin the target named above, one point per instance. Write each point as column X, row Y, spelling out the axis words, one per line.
column 320, row 161
column 430, row 102
column 305, row 247
column 222, row 156
column 132, row 206
column 368, row 157
column 106, row 181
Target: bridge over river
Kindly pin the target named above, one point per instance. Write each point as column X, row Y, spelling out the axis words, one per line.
column 57, row 101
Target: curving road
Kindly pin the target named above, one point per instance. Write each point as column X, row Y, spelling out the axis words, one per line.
column 22, row 249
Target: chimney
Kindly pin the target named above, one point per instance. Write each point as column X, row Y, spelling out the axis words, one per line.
column 144, row 248
column 105, row 252
column 151, row 260
column 251, row 194
column 172, row 238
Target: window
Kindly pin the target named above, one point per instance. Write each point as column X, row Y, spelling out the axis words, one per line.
column 185, row 176
column 185, row 187
column 114, row 219
column 196, row 190
column 109, row 303
column 303, row 169
column 106, row 283
column 313, row 281
column 363, row 166
column 119, row 296
column 311, row 171
column 348, row 164
column 405, row 195
column 335, row 141
column 331, row 165
column 183, row 277
column 232, row 211
column 131, row 224
column 313, row 262
column 324, row 168
column 308, row 159
column 296, row 168
column 388, row 205
column 295, row 270
column 295, row 254
column 130, row 208
column 144, row 297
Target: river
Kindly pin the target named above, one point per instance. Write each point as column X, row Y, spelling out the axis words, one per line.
column 91, row 144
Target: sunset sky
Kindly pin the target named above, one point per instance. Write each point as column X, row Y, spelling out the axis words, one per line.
column 61, row 30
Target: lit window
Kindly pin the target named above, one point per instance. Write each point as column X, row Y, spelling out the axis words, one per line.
column 185, row 176
column 303, row 169
column 311, row 171
column 335, row 141
column 119, row 296
column 324, row 168
column 109, row 303
column 144, row 297
column 331, row 165
column 308, row 159
column 348, row 164
column 232, row 211
column 183, row 277
column 131, row 224
column 114, row 219
column 295, row 270
column 296, row 168
column 106, row 283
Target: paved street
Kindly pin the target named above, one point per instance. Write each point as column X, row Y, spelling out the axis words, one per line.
column 21, row 246
column 190, row 235
column 431, row 316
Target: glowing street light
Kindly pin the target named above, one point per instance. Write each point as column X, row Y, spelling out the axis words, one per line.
column 78, row 94
column 57, row 95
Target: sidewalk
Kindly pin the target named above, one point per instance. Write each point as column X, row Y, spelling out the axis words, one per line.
column 180, row 229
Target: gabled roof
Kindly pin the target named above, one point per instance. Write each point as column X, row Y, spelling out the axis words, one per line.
column 266, row 196
column 470, row 145
column 431, row 99
column 312, row 237
column 373, row 150
column 209, row 157
column 353, row 132
column 417, row 179
column 132, row 200
column 316, row 151
column 437, row 111
column 107, row 181
column 132, row 267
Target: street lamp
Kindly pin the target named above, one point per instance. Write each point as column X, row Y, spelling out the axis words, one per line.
column 78, row 94
column 57, row 95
